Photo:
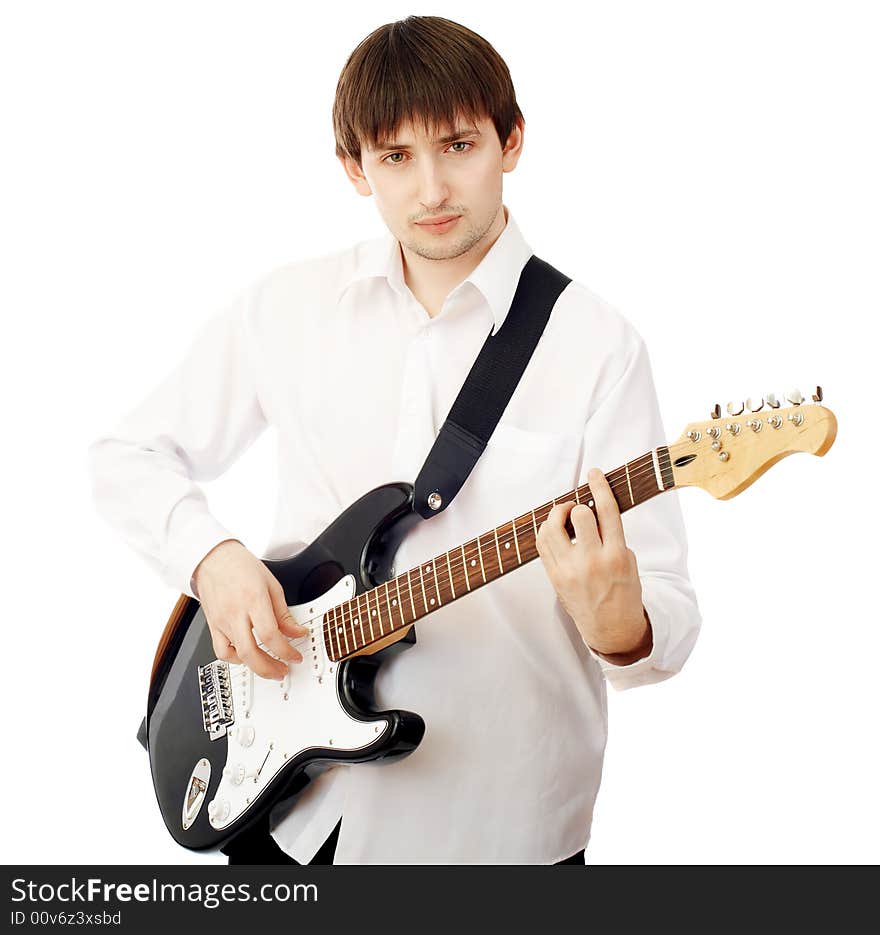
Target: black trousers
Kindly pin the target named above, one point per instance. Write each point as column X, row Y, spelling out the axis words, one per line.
column 257, row 846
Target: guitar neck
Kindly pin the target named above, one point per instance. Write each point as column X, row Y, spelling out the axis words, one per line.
column 372, row 616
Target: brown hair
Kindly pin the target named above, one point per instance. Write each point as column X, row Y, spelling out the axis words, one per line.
column 423, row 68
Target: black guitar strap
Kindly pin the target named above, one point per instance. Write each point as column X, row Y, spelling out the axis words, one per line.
column 488, row 389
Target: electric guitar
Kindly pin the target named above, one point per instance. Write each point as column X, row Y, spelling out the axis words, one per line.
column 226, row 745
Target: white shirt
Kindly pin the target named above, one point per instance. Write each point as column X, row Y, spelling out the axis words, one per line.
column 338, row 354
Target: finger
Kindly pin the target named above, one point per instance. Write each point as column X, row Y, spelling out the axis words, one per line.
column 266, row 628
column 224, row 650
column 586, row 528
column 255, row 658
column 286, row 623
column 554, row 541
column 608, row 512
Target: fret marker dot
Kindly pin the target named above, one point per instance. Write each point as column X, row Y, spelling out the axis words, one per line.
column 374, row 613
column 590, row 503
column 355, row 622
column 473, row 561
column 394, row 602
column 427, row 568
column 339, row 629
column 432, row 600
column 506, row 545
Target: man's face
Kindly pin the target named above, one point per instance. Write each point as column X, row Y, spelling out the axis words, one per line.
column 416, row 177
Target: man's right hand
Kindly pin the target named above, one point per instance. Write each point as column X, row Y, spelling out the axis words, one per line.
column 240, row 597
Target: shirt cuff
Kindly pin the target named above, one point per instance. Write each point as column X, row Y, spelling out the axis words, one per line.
column 643, row 671
column 194, row 542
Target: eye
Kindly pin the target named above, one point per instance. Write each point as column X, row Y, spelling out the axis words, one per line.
column 397, row 162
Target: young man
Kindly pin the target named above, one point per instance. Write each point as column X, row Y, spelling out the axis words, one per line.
column 355, row 358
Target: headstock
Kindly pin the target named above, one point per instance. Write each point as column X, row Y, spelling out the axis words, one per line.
column 726, row 454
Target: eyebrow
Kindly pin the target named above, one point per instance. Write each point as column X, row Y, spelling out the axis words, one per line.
column 450, row 138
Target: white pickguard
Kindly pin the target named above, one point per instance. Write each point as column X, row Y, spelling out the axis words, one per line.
column 275, row 721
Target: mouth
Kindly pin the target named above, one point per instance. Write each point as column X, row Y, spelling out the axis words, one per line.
column 438, row 224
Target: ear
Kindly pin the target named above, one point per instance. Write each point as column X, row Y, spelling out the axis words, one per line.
column 512, row 149
column 356, row 175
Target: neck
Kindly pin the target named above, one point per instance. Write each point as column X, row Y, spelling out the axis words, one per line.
column 370, row 617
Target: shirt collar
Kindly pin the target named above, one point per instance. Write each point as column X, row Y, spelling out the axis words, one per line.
column 496, row 276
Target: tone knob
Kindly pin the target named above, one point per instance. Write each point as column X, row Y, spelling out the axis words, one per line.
column 218, row 809
column 755, row 405
column 795, row 397
column 234, row 774
column 734, row 409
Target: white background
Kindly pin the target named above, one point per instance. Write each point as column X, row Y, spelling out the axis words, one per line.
column 711, row 169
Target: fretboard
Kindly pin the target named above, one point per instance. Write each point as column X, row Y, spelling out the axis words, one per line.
column 373, row 615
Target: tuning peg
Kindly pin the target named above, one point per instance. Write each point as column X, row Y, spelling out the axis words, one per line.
column 817, row 396
column 794, row 397
column 755, row 406
column 715, row 411
column 772, row 401
column 734, row 409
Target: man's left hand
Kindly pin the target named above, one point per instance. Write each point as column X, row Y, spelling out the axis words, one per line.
column 596, row 576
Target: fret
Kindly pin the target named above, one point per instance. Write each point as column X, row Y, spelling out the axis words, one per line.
column 480, row 553
column 422, row 583
column 372, row 612
column 505, row 546
column 464, row 566
column 516, row 543
column 377, row 612
column 332, row 632
column 345, row 634
column 411, row 604
column 360, row 616
column 340, row 627
column 437, row 583
column 535, row 524
column 390, row 618
column 400, row 602
column 369, row 617
column 427, row 571
column 632, row 499
column 498, row 552
column 449, row 572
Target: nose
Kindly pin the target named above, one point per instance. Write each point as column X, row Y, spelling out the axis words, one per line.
column 433, row 188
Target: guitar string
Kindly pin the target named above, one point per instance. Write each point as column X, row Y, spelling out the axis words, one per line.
column 355, row 613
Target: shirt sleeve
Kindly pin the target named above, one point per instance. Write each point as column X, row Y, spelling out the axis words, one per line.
column 627, row 423
column 190, row 428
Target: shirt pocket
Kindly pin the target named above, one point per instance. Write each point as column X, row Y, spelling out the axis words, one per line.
column 521, row 469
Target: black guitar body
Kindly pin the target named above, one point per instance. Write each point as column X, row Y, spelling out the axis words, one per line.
column 279, row 739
